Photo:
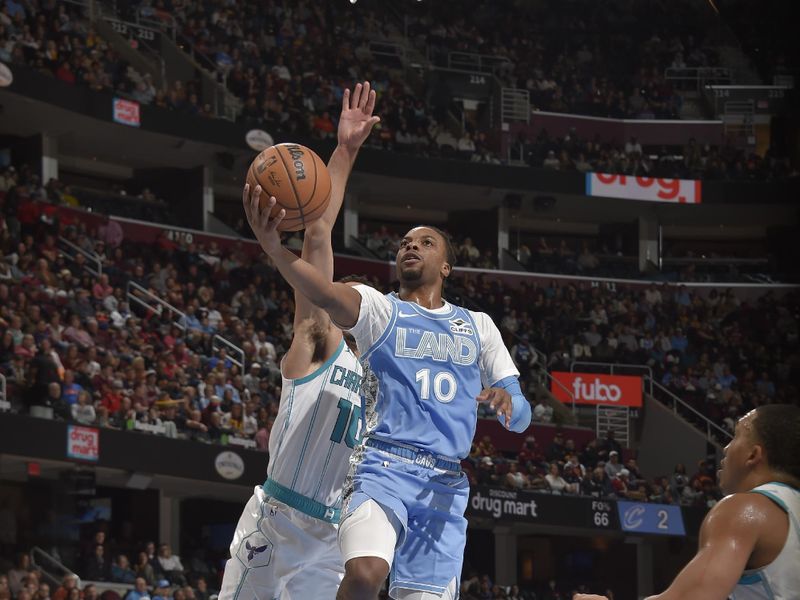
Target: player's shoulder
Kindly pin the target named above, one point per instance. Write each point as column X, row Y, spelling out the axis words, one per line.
column 484, row 323
column 743, row 510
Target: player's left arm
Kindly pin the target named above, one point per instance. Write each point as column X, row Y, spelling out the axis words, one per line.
column 728, row 537
column 503, row 394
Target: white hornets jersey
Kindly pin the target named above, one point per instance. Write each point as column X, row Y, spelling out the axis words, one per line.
column 317, row 427
column 779, row 580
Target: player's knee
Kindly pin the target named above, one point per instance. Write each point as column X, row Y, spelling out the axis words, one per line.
column 365, row 575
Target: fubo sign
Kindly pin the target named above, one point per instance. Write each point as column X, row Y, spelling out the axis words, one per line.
column 594, row 388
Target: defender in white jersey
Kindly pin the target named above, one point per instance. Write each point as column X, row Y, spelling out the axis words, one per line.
column 750, row 540
column 285, row 544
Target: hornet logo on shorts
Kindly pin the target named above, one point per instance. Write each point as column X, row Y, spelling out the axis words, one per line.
column 253, row 550
column 459, row 325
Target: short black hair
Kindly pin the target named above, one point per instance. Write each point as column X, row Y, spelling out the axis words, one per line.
column 448, row 243
column 777, row 427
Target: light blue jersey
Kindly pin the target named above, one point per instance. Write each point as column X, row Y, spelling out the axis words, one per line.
column 423, row 371
column 428, row 367
column 427, row 371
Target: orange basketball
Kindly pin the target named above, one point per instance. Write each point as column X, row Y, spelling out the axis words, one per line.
column 297, row 178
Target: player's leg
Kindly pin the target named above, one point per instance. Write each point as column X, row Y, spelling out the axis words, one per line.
column 320, row 563
column 367, row 539
column 251, row 570
column 427, row 566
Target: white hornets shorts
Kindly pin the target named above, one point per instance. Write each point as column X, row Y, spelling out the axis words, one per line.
column 279, row 552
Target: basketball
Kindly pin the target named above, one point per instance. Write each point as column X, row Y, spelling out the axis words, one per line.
column 297, row 178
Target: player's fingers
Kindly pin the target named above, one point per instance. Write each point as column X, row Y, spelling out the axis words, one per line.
column 356, row 98
column 483, row 396
column 346, row 99
column 246, row 200
column 255, row 204
column 370, row 104
column 373, row 121
column 362, row 102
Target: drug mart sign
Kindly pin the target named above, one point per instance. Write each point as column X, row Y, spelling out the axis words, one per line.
column 83, row 443
column 651, row 189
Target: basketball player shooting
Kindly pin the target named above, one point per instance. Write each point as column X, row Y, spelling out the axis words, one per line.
column 750, row 540
column 285, row 544
column 405, row 497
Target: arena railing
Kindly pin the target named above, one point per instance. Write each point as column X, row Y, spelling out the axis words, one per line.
column 690, row 414
column 47, row 564
column 93, row 258
column 140, row 295
column 4, row 403
column 699, row 77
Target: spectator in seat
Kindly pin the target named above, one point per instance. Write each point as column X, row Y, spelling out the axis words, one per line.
column 83, row 412
column 589, row 456
column 171, row 565
column 17, row 575
column 557, row 483
column 678, row 481
column 97, row 567
column 514, row 479
column 121, row 571
column 556, row 450
column 68, row 583
column 201, row 589
column 551, row 161
column 613, row 466
column 608, row 444
column 139, row 591
column 598, row 485
column 144, row 569
column 90, row 592
column 542, row 413
column 43, row 593
column 486, row 473
column 161, row 591
column 523, row 356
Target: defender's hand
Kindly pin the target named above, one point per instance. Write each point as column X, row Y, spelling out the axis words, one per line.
column 499, row 400
column 265, row 229
column 356, row 121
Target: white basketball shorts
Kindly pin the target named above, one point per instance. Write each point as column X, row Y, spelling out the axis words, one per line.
column 279, row 552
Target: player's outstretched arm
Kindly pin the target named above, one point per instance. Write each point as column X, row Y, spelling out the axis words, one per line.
column 727, row 539
column 355, row 124
column 340, row 301
column 313, row 334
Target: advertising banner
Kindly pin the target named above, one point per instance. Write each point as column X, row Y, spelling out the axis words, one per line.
column 651, row 189
column 543, row 509
column 83, row 443
column 126, row 112
column 596, row 388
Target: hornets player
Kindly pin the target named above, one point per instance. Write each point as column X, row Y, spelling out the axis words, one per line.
column 750, row 540
column 285, row 544
column 406, row 495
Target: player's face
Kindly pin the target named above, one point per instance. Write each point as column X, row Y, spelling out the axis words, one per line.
column 422, row 256
column 733, row 467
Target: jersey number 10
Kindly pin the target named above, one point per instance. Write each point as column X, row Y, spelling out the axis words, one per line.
column 347, row 423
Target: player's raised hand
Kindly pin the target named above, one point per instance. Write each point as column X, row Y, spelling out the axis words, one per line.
column 356, row 121
column 588, row 597
column 499, row 400
column 263, row 227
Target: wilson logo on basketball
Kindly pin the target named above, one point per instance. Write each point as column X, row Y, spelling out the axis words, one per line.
column 297, row 154
column 591, row 388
